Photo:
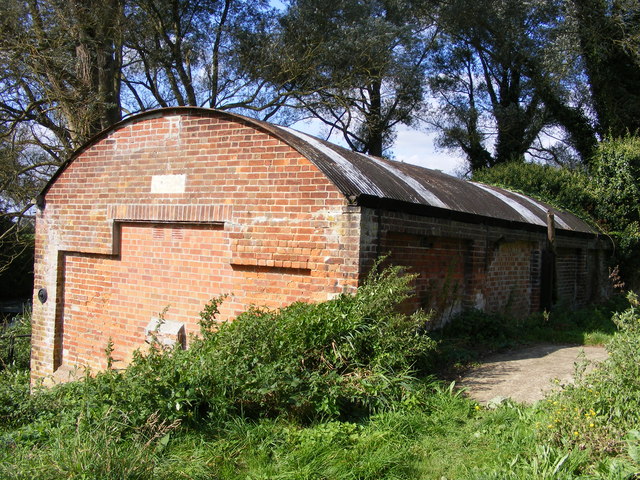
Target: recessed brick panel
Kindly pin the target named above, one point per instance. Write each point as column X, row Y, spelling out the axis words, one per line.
column 161, row 268
column 508, row 284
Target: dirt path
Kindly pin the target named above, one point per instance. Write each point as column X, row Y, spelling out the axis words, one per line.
column 525, row 375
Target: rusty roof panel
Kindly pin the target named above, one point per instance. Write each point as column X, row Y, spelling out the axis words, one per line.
column 357, row 174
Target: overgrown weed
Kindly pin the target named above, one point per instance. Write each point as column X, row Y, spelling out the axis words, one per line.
column 335, row 390
column 601, row 410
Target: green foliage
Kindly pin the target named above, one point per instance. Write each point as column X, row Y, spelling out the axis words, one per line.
column 480, row 325
column 602, row 408
column 586, row 326
column 14, row 391
column 17, row 339
column 14, row 371
column 166, row 417
column 354, row 352
column 609, row 193
column 615, row 182
column 348, row 356
column 615, row 171
column 208, row 316
column 108, row 448
column 341, row 450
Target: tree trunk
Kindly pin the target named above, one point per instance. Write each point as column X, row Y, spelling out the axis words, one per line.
column 373, row 121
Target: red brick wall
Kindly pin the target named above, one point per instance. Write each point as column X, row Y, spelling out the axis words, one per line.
column 477, row 265
column 254, row 219
column 440, row 264
column 172, row 209
column 508, row 284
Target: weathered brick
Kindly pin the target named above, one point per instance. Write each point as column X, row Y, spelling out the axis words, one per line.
column 236, row 210
column 192, row 255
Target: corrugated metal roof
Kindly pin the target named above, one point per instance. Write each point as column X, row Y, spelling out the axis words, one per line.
column 360, row 176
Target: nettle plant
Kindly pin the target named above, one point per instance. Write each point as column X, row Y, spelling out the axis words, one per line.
column 355, row 353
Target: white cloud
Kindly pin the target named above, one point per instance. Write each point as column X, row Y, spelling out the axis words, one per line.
column 418, row 148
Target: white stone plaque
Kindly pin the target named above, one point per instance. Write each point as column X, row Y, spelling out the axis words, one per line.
column 168, row 183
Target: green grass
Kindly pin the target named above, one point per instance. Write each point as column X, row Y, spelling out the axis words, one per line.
column 449, row 438
column 107, row 427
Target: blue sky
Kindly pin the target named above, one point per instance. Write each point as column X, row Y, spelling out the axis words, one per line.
column 418, row 147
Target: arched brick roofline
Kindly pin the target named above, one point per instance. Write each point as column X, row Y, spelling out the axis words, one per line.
column 369, row 181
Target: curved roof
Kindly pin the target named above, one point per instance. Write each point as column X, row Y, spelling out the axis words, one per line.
column 369, row 180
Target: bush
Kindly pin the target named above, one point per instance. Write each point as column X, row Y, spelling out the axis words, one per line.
column 332, row 358
column 601, row 409
column 14, row 371
column 615, row 181
column 354, row 353
column 348, row 356
column 14, row 392
column 15, row 344
column 560, row 187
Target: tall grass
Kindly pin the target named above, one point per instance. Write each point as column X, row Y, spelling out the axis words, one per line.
column 336, row 390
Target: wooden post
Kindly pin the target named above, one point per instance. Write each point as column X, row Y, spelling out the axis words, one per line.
column 551, row 231
column 548, row 272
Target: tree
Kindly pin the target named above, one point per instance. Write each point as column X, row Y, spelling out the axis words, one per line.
column 71, row 68
column 608, row 34
column 16, row 259
column 488, row 103
column 182, row 52
column 60, row 84
column 21, row 174
column 167, row 39
column 513, row 74
column 61, row 67
column 359, row 67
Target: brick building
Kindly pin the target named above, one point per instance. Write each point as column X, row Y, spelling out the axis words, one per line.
column 170, row 208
